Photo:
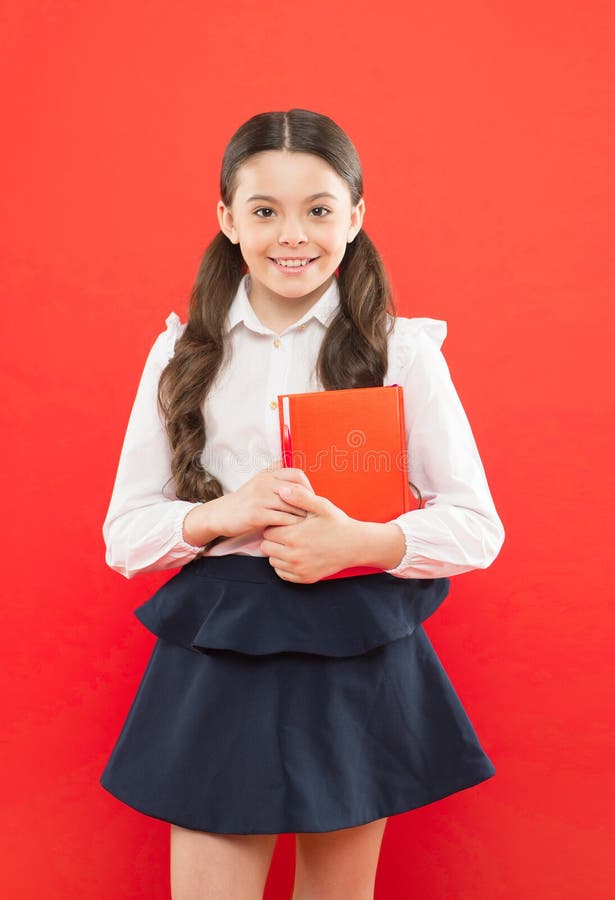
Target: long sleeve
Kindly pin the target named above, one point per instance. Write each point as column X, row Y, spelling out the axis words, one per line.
column 458, row 528
column 143, row 526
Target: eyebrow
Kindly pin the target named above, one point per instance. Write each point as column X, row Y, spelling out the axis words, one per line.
column 307, row 199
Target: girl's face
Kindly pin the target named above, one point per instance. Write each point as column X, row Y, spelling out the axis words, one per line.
column 290, row 205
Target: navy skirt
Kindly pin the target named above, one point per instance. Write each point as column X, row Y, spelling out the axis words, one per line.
column 270, row 707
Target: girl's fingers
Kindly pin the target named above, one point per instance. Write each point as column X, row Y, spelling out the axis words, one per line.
column 291, row 518
column 283, row 519
column 295, row 475
column 288, row 473
column 276, row 464
column 288, row 507
column 283, row 573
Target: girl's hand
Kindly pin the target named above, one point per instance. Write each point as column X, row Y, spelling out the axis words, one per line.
column 319, row 544
column 257, row 504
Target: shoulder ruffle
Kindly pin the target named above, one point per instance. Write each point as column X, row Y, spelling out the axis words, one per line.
column 175, row 327
column 409, row 331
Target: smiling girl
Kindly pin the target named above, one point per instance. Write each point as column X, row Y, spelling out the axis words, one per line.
column 275, row 701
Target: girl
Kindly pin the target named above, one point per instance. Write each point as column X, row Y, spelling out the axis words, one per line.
column 275, row 701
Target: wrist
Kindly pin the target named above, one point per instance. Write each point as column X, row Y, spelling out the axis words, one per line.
column 382, row 545
column 200, row 525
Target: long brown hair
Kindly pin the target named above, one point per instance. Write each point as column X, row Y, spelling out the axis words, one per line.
column 353, row 352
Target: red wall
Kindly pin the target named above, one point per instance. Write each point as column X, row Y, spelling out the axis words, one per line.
column 485, row 139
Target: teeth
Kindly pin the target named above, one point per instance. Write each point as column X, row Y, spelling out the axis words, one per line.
column 292, row 262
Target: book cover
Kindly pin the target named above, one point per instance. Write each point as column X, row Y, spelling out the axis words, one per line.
column 351, row 444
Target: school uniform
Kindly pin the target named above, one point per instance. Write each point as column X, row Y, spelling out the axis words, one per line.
column 269, row 706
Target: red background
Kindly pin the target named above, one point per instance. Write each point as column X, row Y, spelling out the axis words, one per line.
column 485, row 139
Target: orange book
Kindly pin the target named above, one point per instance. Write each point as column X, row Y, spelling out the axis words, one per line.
column 351, row 444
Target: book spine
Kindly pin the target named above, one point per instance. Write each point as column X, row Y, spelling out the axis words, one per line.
column 285, row 435
column 404, row 461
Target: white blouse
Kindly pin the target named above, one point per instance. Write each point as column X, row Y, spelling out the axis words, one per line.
column 457, row 530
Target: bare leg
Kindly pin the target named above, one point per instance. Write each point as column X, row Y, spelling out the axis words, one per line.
column 207, row 866
column 338, row 865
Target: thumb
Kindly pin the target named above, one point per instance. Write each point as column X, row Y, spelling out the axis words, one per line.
column 298, row 495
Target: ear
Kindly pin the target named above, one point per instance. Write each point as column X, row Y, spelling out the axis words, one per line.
column 225, row 218
column 356, row 220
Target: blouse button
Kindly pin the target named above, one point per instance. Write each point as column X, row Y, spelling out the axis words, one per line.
column 276, row 342
column 273, row 404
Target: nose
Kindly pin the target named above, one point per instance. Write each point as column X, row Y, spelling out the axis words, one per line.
column 292, row 233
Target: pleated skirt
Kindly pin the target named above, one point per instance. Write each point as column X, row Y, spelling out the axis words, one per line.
column 269, row 707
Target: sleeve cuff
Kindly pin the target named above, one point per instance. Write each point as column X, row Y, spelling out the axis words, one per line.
column 409, row 553
column 179, row 542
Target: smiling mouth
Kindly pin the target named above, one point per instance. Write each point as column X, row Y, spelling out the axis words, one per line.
column 291, row 263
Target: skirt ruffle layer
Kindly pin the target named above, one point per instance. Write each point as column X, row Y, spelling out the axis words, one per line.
column 240, row 603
